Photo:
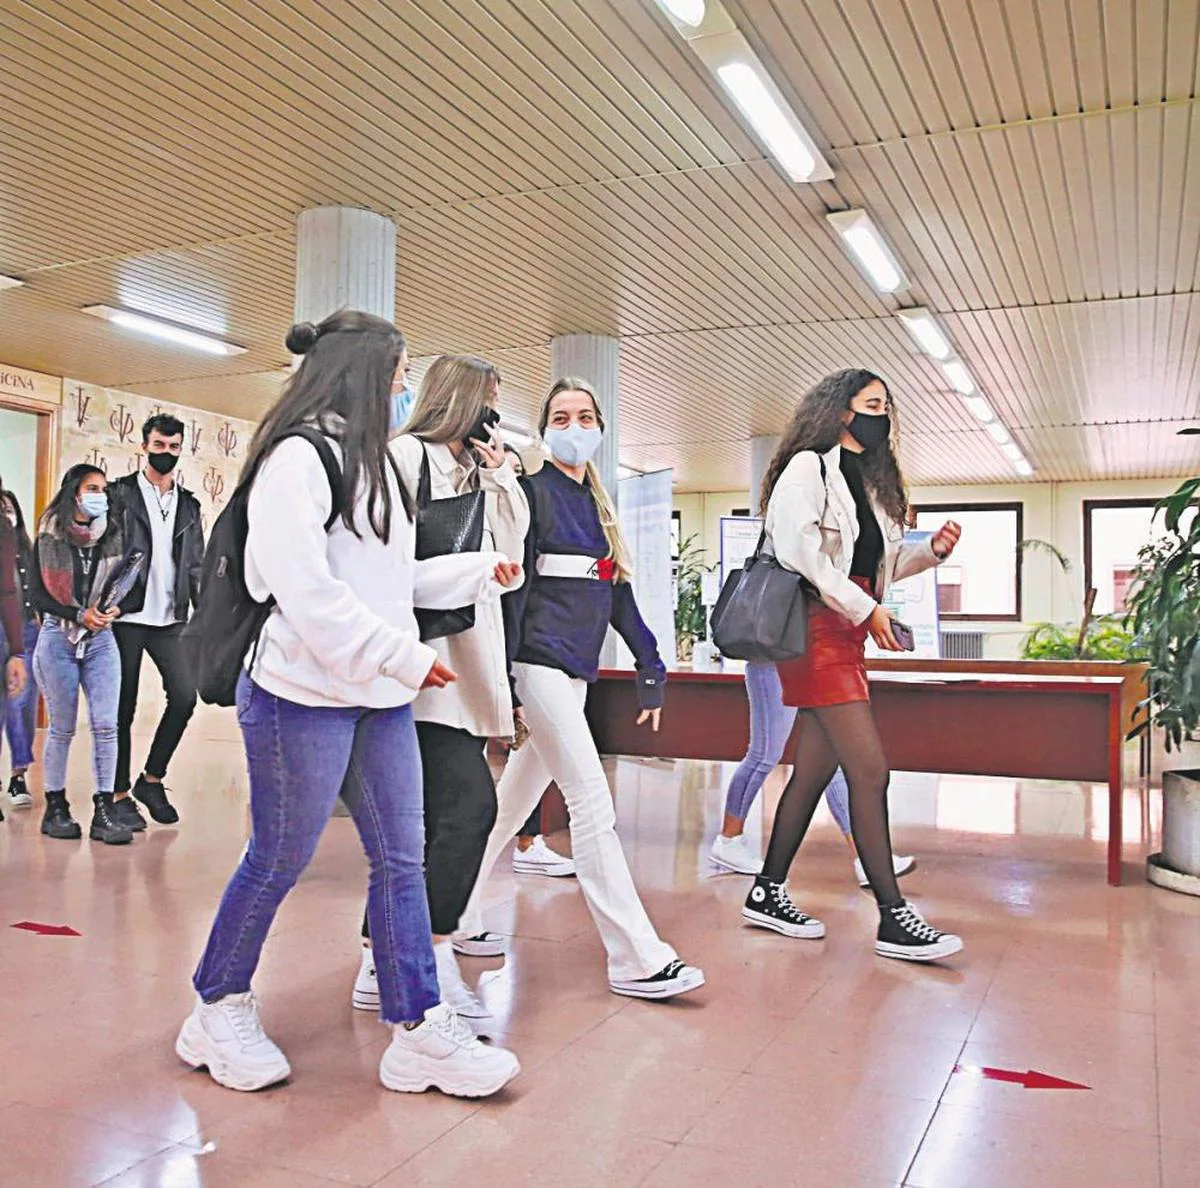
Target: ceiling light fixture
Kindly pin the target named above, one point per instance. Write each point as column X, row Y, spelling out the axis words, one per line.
column 10, row 282
column 166, row 331
column 1012, row 452
column 958, row 375
column 749, row 90
column 687, row 12
column 979, row 408
column 926, row 332
column 1023, row 468
column 1000, row 435
column 868, row 247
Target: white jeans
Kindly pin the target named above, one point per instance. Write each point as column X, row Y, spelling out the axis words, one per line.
column 560, row 748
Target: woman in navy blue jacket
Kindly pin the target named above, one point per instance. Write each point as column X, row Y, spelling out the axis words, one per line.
column 577, row 585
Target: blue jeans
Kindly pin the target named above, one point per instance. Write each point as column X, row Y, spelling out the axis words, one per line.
column 771, row 725
column 20, row 718
column 300, row 757
column 61, row 669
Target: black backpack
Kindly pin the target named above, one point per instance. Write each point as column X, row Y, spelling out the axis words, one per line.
column 228, row 622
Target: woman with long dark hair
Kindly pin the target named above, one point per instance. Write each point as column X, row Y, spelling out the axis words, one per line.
column 836, row 506
column 78, row 553
column 20, row 719
column 325, row 707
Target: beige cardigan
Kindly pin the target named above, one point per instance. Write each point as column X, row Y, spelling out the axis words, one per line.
column 480, row 701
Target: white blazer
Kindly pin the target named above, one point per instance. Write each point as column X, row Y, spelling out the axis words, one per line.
column 812, row 527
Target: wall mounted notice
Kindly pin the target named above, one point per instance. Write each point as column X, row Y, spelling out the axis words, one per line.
column 739, row 538
column 914, row 601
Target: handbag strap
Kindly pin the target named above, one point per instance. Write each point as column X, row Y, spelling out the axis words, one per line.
column 424, row 483
column 762, row 536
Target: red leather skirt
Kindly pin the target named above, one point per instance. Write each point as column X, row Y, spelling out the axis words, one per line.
column 834, row 669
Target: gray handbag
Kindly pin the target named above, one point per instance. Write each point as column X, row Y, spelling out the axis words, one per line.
column 762, row 611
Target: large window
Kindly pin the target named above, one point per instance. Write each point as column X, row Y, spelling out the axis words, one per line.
column 1114, row 531
column 982, row 580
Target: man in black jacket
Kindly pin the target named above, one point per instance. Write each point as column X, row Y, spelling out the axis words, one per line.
column 161, row 519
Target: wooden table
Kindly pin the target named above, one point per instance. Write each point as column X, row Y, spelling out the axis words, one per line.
column 1021, row 725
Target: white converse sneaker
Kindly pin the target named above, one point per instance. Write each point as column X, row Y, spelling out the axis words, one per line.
column 484, row 944
column 227, row 1038
column 734, row 853
column 901, row 865
column 454, row 991
column 540, row 859
column 366, row 985
column 443, row 1053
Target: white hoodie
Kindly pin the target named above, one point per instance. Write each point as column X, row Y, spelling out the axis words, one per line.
column 343, row 632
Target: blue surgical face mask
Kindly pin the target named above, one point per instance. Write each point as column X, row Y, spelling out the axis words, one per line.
column 402, row 406
column 573, row 446
column 93, row 504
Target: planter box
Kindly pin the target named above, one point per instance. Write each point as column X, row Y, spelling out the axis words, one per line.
column 1181, row 822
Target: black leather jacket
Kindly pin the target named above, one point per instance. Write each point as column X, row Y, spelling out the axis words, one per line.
column 187, row 550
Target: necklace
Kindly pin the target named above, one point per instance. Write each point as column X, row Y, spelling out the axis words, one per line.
column 164, row 505
column 85, row 559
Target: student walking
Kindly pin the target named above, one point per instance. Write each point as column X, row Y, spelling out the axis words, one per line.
column 13, row 676
column 577, row 584
column 20, row 719
column 325, row 707
column 835, row 508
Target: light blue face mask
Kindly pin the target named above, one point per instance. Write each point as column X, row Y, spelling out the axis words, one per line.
column 573, row 446
column 93, row 504
column 402, row 406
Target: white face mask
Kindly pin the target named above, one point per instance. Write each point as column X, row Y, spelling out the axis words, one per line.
column 573, row 446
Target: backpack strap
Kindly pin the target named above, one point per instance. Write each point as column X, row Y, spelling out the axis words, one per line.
column 333, row 472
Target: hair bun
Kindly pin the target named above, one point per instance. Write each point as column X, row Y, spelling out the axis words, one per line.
column 300, row 338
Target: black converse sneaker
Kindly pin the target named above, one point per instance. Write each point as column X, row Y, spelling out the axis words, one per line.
column 904, row 934
column 675, row 978
column 18, row 793
column 769, row 906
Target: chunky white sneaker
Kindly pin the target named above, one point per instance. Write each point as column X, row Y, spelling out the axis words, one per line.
column 366, row 985
column 906, row 935
column 455, row 993
column 735, row 854
column 227, row 1038
column 485, row 944
column 901, row 865
column 443, row 1053
column 540, row 859
column 675, row 978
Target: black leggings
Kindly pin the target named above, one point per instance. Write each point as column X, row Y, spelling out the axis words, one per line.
column 460, row 810
column 836, row 736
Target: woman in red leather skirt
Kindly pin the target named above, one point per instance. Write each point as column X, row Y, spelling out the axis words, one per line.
column 835, row 507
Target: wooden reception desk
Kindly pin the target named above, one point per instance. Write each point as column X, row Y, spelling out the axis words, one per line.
column 1030, row 720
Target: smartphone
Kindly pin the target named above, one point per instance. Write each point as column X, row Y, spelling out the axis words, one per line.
column 904, row 635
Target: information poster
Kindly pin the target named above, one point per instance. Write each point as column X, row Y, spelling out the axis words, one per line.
column 914, row 602
column 739, row 539
column 645, row 515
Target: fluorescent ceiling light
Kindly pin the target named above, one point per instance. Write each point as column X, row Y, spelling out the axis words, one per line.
column 979, row 408
column 1023, row 468
column 1012, row 452
column 687, row 12
column 167, row 331
column 737, row 68
column 10, row 282
column 958, row 375
column 863, row 239
column 928, row 334
column 1000, row 435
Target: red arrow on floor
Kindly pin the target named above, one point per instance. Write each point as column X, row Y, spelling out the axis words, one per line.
column 47, row 929
column 1030, row 1079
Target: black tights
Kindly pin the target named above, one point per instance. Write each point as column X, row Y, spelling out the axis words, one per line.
column 836, row 736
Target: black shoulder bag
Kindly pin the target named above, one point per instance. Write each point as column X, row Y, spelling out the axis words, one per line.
column 446, row 526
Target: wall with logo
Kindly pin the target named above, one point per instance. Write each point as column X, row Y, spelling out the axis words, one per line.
column 103, row 426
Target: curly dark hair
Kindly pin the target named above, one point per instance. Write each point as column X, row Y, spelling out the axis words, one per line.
column 817, row 425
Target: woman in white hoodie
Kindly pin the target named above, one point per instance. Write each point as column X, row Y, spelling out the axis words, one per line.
column 325, row 708
column 451, row 447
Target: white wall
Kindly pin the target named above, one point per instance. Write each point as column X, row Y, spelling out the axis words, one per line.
column 18, row 457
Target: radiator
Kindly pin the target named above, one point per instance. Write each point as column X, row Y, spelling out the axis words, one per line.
column 962, row 645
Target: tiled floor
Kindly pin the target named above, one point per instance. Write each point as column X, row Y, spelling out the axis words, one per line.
column 800, row 1063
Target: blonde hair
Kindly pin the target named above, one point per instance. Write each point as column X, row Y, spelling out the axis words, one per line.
column 453, row 394
column 618, row 550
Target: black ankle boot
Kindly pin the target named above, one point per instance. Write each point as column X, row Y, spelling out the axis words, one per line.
column 57, row 820
column 105, row 826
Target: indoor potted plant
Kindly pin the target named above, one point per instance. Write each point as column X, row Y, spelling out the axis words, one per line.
column 1164, row 615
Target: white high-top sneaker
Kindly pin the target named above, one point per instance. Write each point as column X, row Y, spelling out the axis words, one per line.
column 227, row 1038
column 366, row 985
column 540, row 859
column 454, row 991
column 443, row 1053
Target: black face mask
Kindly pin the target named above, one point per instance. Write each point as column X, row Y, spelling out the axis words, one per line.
column 479, row 431
column 162, row 462
column 870, row 431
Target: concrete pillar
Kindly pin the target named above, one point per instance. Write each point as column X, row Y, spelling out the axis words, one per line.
column 345, row 259
column 597, row 359
column 762, row 450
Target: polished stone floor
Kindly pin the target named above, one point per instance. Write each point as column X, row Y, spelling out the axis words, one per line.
column 800, row 1063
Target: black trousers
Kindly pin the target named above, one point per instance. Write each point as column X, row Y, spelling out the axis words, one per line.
column 166, row 649
column 460, row 810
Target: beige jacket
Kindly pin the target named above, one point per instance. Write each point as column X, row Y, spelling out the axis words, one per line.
column 812, row 526
column 480, row 701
